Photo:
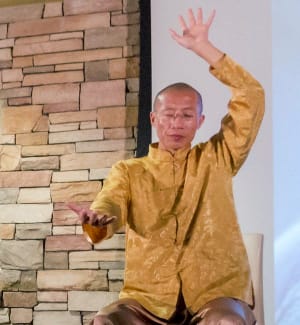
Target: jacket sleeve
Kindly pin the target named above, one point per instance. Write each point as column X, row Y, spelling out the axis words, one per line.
column 245, row 112
column 113, row 200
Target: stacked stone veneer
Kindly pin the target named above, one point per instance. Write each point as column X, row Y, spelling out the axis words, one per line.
column 68, row 111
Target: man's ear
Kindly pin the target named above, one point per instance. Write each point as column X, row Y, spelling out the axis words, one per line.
column 201, row 120
column 152, row 118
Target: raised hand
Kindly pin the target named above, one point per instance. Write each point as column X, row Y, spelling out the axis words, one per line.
column 87, row 216
column 195, row 36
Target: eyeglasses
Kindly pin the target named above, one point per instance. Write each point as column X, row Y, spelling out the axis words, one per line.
column 171, row 117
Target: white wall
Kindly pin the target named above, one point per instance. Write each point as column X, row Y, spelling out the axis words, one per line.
column 243, row 30
column 286, row 122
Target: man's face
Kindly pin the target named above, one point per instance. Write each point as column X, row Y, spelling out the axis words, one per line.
column 176, row 118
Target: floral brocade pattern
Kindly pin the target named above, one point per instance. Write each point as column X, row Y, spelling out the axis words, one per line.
column 182, row 231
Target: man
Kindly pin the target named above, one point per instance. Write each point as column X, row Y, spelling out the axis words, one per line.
column 185, row 259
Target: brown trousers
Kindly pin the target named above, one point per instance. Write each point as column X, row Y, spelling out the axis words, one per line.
column 216, row 312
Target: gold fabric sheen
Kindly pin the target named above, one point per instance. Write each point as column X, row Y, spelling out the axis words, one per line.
column 182, row 231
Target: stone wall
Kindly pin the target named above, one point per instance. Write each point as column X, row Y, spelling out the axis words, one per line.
column 68, row 110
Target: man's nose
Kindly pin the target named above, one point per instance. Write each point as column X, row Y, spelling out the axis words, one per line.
column 177, row 121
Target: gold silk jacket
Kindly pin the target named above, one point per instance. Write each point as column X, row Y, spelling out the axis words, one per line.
column 182, row 231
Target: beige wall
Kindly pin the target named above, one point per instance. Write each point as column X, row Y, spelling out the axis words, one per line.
column 68, row 110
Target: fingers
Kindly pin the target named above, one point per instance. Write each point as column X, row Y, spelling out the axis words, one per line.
column 182, row 23
column 74, row 207
column 199, row 16
column 191, row 17
column 211, row 18
column 90, row 217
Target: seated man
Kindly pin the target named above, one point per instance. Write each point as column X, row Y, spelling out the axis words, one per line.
column 185, row 258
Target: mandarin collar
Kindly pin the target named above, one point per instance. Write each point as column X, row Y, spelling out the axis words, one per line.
column 164, row 155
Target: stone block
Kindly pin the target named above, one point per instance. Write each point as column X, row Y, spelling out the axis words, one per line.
column 28, row 281
column 114, row 265
column 3, row 31
column 76, row 7
column 124, row 68
column 21, row 101
column 56, row 260
column 15, row 92
column 4, row 313
column 51, row 306
column 109, row 93
column 64, row 218
column 53, row 9
column 48, row 150
column 42, row 124
column 53, row 78
column 34, row 195
column 115, row 285
column 116, row 117
column 95, row 160
column 32, row 39
column 69, row 67
column 25, row 178
column 56, row 317
column 37, row 70
column 64, row 127
column 68, row 117
column 74, row 191
column 19, row 299
column 115, row 242
column 58, row 24
column 116, row 274
column 132, row 99
column 52, row 296
column 72, row 280
column 9, row 157
column 88, row 125
column 78, row 56
column 68, row 35
column 133, row 84
column 125, row 19
column 106, row 37
column 53, row 94
column 25, row 213
column 71, row 176
column 131, row 5
column 4, row 65
column 5, row 55
column 12, row 75
column 21, row 255
column 9, row 85
column 7, row 231
column 61, row 107
column 13, row 121
column 63, row 230
column 27, row 12
column 9, row 281
column 22, row 62
column 96, row 174
column 33, row 230
column 21, row 315
column 106, row 145
column 31, row 139
column 96, row 70
column 90, row 301
column 118, row 133
column 39, row 163
column 66, row 243
column 7, row 139
column 95, row 256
